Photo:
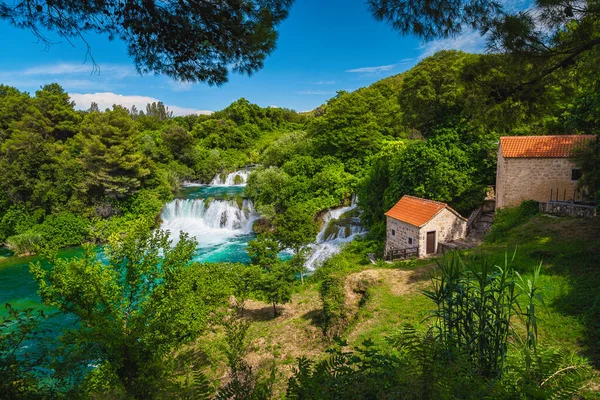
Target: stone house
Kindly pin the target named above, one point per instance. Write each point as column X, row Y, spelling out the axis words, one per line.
column 421, row 225
column 537, row 168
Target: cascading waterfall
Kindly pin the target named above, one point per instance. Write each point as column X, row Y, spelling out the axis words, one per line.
column 334, row 233
column 236, row 178
column 220, row 223
column 210, row 221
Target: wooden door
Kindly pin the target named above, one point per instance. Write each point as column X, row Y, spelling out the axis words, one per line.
column 430, row 243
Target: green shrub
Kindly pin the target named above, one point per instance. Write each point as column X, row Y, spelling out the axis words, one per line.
column 25, row 243
column 16, row 220
column 65, row 229
column 145, row 203
column 509, row 218
column 333, row 298
column 238, row 180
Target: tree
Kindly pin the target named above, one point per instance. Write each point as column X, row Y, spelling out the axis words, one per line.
column 246, row 282
column 94, row 107
column 158, row 111
column 195, row 41
column 111, row 155
column 263, row 251
column 552, row 37
column 145, row 302
column 19, row 380
column 277, row 283
column 277, row 278
column 55, row 105
column 295, row 230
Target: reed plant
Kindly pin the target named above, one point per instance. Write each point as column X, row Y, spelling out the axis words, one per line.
column 474, row 306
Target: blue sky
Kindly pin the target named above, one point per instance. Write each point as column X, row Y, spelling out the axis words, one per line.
column 323, row 46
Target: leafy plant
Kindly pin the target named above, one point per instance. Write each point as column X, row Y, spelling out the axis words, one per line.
column 333, row 298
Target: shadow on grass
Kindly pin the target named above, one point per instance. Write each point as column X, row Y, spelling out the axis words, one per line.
column 261, row 314
column 315, row 317
column 192, row 356
column 568, row 248
column 422, row 274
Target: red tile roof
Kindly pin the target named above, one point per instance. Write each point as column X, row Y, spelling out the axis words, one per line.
column 417, row 211
column 542, row 146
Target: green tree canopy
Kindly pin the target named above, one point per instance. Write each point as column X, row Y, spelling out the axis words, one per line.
column 196, row 41
column 110, row 152
column 551, row 37
column 147, row 301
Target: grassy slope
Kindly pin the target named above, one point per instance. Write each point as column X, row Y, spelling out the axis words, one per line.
column 569, row 250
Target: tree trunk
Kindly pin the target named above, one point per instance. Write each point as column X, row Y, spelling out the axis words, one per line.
column 274, row 310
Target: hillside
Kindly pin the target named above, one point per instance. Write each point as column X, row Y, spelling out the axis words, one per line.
column 383, row 298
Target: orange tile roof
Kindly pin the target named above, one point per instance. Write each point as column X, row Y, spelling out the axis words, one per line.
column 561, row 146
column 417, row 211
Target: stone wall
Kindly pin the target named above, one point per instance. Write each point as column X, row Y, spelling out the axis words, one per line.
column 402, row 231
column 519, row 179
column 448, row 227
column 568, row 209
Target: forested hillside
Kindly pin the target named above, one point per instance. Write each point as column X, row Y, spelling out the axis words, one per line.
column 70, row 176
column 431, row 131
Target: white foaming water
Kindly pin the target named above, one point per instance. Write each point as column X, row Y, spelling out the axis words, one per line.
column 230, row 179
column 325, row 247
column 210, row 224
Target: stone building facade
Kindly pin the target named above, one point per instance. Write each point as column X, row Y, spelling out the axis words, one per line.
column 536, row 168
column 423, row 224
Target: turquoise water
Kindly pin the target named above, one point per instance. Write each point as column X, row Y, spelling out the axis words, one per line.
column 216, row 244
column 205, row 191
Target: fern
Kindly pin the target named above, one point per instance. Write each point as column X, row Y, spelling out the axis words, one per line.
column 201, row 386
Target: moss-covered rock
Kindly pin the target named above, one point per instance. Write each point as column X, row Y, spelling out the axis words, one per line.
column 239, row 200
column 263, row 225
column 238, row 180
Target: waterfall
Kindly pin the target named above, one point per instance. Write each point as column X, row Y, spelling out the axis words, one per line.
column 210, row 221
column 334, row 233
column 237, row 178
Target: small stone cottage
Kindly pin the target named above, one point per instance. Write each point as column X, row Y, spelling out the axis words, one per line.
column 419, row 226
column 537, row 168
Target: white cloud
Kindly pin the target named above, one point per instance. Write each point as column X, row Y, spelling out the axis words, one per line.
column 373, row 70
column 470, row 41
column 324, row 83
column 114, row 70
column 107, row 99
column 316, row 92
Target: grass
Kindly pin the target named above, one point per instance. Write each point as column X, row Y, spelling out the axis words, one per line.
column 569, row 251
column 567, row 248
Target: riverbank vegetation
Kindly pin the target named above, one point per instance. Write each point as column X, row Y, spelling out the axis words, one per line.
column 352, row 328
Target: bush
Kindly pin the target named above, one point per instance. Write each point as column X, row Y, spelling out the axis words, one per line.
column 15, row 221
column 145, row 203
column 24, row 243
column 509, row 218
column 64, row 229
column 333, row 298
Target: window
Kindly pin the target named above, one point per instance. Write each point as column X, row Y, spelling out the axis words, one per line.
column 410, row 241
column 575, row 174
column 393, row 232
